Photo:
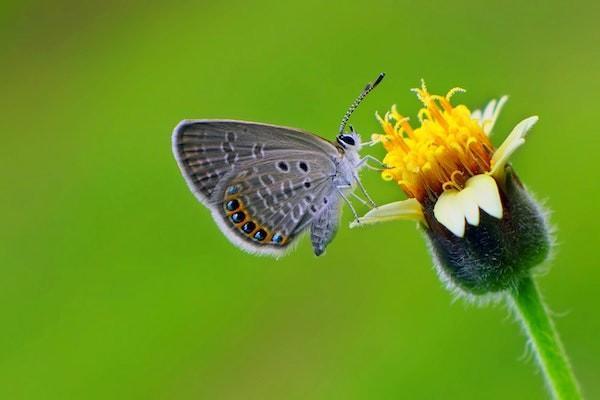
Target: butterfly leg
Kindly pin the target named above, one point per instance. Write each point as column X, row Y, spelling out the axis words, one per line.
column 343, row 196
column 361, row 200
column 365, row 161
column 364, row 191
column 370, row 143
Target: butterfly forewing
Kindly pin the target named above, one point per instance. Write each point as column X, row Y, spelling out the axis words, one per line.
column 263, row 183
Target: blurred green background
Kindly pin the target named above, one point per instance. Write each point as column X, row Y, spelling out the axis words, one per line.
column 116, row 283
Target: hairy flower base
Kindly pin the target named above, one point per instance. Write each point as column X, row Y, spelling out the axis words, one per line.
column 497, row 253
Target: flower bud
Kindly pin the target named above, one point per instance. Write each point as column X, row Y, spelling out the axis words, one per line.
column 484, row 230
column 497, row 253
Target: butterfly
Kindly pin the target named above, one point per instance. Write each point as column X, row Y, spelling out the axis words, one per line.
column 266, row 184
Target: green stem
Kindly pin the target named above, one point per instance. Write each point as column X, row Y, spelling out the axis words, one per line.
column 544, row 340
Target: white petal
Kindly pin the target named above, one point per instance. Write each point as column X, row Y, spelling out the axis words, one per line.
column 510, row 144
column 488, row 111
column 488, row 126
column 454, row 207
column 449, row 212
column 487, row 118
column 409, row 209
column 468, row 202
column 484, row 191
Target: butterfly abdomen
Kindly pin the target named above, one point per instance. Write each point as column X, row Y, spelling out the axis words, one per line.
column 324, row 226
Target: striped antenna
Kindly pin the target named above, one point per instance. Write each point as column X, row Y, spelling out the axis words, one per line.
column 358, row 100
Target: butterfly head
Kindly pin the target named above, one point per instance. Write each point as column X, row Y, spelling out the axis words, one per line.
column 349, row 140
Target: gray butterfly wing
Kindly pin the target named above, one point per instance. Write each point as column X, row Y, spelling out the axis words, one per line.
column 265, row 211
column 264, row 184
column 209, row 149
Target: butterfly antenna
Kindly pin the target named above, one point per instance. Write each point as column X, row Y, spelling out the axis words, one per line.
column 370, row 86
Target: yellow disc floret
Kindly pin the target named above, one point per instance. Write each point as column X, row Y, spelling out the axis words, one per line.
column 447, row 149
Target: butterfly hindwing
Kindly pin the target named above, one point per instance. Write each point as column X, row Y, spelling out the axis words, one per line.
column 264, row 210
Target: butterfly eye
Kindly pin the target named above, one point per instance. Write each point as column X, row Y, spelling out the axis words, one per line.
column 346, row 139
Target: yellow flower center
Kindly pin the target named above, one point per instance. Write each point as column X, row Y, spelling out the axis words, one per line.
column 443, row 153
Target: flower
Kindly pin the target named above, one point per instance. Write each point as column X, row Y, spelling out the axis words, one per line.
column 484, row 229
